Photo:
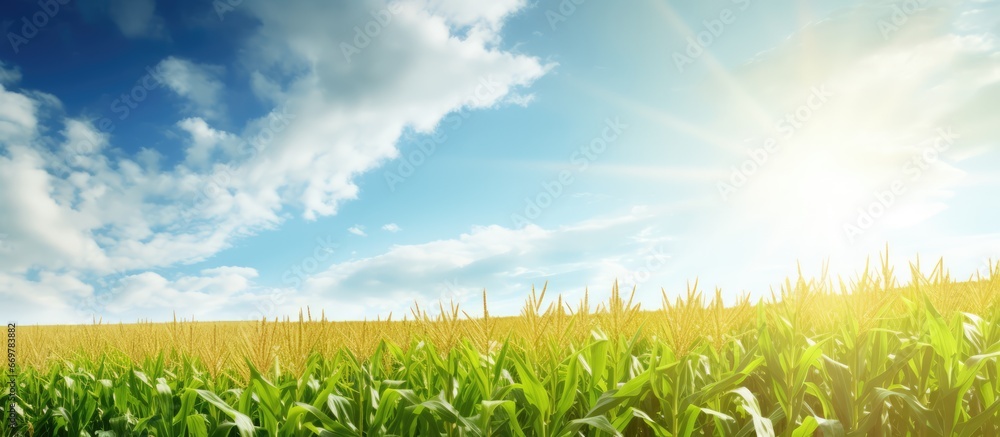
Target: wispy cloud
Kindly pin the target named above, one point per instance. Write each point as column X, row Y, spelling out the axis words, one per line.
column 137, row 18
column 200, row 85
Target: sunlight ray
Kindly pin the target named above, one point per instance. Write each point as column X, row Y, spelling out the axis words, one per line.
column 671, row 121
column 716, row 69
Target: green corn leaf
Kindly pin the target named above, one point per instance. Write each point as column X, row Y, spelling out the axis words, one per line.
column 243, row 423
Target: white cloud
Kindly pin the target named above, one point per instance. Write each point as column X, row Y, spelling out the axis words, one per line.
column 139, row 216
column 391, row 227
column 507, row 262
column 50, row 299
column 482, row 18
column 40, row 229
column 9, row 76
column 207, row 143
column 266, row 89
column 137, row 18
column 357, row 230
column 72, row 206
column 352, row 110
column 522, row 100
column 17, row 117
column 82, row 208
column 222, row 292
column 201, row 85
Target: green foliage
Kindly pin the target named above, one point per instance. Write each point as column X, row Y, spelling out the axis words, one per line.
column 874, row 360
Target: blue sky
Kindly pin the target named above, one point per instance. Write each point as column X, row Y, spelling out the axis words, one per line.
column 237, row 160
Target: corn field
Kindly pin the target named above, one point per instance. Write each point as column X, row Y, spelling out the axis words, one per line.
column 857, row 357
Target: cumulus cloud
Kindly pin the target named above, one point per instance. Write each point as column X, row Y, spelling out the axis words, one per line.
column 357, row 230
column 391, row 227
column 352, row 109
column 73, row 206
column 41, row 230
column 222, row 290
column 207, row 145
column 482, row 19
column 221, row 293
column 505, row 261
column 200, row 85
column 50, row 298
column 83, row 208
column 18, row 121
column 9, row 75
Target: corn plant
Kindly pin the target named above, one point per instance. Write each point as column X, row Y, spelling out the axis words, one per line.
column 872, row 357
